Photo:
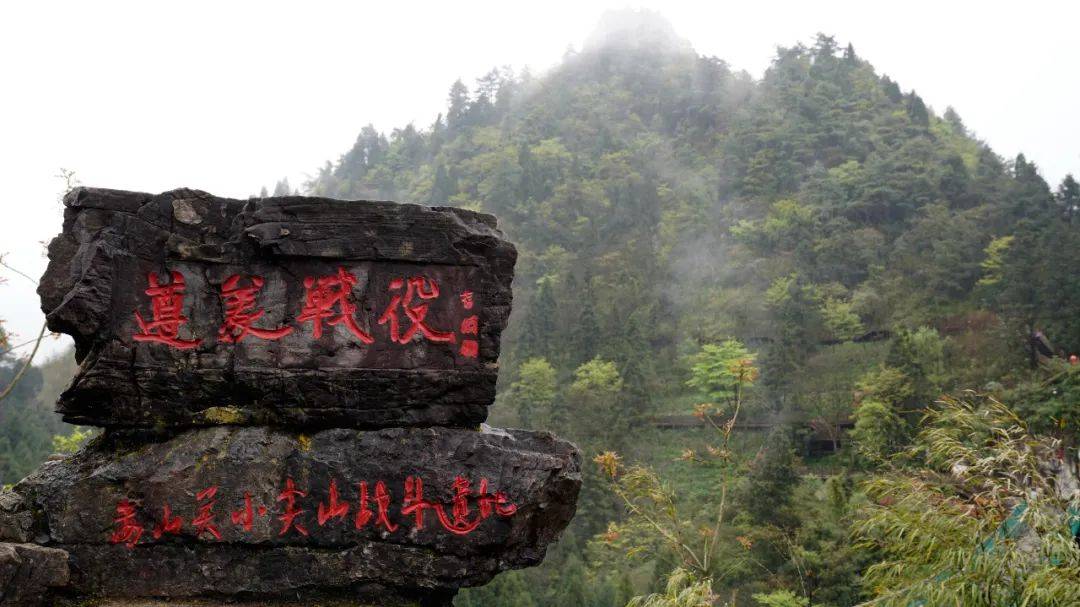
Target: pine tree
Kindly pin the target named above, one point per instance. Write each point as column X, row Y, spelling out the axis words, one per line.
column 458, row 105
column 281, row 188
column 442, row 188
column 916, row 110
column 768, row 491
column 587, row 328
column 1068, row 197
column 539, row 332
column 849, row 55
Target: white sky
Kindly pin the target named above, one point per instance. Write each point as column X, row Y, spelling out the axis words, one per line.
column 229, row 96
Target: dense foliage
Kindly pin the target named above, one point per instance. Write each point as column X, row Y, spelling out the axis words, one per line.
column 980, row 519
column 673, row 216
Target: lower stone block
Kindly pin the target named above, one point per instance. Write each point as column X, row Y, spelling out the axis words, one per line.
column 258, row 512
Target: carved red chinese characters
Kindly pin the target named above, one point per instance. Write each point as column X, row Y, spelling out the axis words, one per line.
column 416, row 287
column 184, row 304
column 204, row 521
column 334, row 509
column 328, row 297
column 288, row 518
column 465, row 514
column 246, row 516
column 167, row 303
column 128, row 530
column 382, row 502
column 240, row 312
column 169, row 523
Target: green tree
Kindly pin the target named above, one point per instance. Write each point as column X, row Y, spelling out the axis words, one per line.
column 539, row 334
column 534, row 393
column 657, row 519
column 508, row 589
column 920, row 355
column 70, row 443
column 768, row 488
column 718, row 370
column 458, row 105
column 840, row 319
column 593, row 400
column 1068, row 196
column 879, row 431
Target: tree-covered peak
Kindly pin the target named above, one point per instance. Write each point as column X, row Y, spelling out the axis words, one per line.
column 660, row 200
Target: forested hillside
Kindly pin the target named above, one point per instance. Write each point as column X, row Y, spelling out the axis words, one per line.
column 817, row 248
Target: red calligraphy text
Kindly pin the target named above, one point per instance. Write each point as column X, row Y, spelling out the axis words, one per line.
column 414, row 503
column 458, row 523
column 335, row 509
column 166, row 304
column 497, row 502
column 458, row 520
column 470, row 348
column 323, row 295
column 240, row 312
column 382, row 503
column 204, row 522
column 246, row 516
column 128, row 530
column 288, row 518
column 470, row 325
column 423, row 288
column 169, row 523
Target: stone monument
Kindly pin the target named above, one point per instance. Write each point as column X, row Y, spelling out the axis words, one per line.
column 292, row 392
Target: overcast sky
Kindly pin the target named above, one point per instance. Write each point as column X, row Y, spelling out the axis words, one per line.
column 229, row 96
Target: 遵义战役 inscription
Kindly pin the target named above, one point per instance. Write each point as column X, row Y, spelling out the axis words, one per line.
column 192, row 310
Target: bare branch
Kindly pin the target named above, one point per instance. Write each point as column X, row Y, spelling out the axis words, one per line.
column 20, row 345
column 17, row 271
column 26, row 365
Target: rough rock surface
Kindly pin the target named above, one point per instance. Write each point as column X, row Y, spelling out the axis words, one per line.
column 28, row 572
column 410, row 265
column 16, row 521
column 468, row 534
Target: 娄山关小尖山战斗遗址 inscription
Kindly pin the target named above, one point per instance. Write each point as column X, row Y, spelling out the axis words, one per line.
column 372, row 506
column 398, row 506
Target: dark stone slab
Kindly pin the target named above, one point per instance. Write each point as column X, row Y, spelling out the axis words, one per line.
column 303, row 265
column 106, row 506
column 29, row 572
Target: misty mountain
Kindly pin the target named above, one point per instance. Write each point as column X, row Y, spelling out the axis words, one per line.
column 662, row 200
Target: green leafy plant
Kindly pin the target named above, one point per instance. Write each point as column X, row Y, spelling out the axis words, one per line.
column 973, row 514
